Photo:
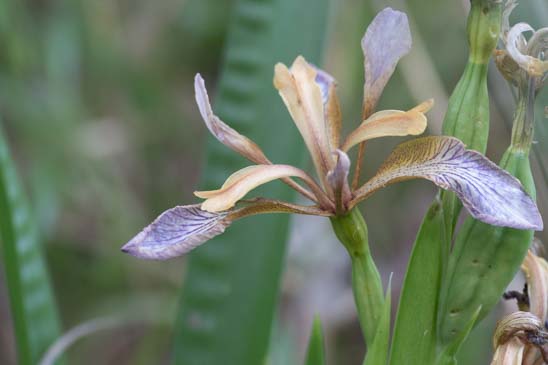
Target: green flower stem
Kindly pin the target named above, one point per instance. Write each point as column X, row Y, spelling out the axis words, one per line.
column 467, row 116
column 351, row 230
column 522, row 130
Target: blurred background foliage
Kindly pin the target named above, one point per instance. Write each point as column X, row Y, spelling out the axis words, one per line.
column 97, row 102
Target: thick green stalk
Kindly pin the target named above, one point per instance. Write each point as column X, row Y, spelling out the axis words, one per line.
column 351, row 230
column 467, row 116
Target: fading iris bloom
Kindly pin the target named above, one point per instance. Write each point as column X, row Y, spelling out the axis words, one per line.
column 521, row 59
column 521, row 338
column 489, row 193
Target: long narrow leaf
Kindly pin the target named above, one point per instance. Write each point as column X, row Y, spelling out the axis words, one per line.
column 232, row 282
column 32, row 305
column 414, row 339
column 377, row 353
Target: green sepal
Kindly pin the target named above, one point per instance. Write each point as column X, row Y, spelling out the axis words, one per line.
column 315, row 354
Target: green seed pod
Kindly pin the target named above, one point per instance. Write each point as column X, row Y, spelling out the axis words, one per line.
column 467, row 116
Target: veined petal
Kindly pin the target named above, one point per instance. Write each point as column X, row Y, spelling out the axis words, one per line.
column 225, row 134
column 510, row 353
column 331, row 105
column 181, row 229
column 176, row 232
column 533, row 66
column 489, row 193
column 245, row 180
column 536, row 274
column 390, row 123
column 386, row 40
column 303, row 97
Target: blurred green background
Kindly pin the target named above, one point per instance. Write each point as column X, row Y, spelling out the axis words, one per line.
column 96, row 98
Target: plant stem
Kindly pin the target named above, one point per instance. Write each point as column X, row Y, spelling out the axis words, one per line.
column 351, row 230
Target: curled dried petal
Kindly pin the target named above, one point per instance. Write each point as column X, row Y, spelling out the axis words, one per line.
column 515, row 323
column 534, row 66
column 489, row 193
column 386, row 40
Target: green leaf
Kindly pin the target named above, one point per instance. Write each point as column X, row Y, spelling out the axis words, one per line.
column 316, row 352
column 231, row 287
column 33, row 308
column 414, row 339
column 377, row 353
column 447, row 356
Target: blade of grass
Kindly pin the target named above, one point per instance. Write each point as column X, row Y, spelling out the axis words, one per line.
column 33, row 308
column 316, row 351
column 232, row 283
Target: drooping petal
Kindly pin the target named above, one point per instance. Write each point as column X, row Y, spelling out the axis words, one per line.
column 331, row 105
column 489, row 193
column 338, row 180
column 386, row 40
column 176, row 232
column 247, row 179
column 390, row 123
column 225, row 134
column 534, row 66
column 179, row 230
column 536, row 274
column 303, row 97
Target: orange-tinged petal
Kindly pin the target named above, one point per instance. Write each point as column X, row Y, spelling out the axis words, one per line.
column 390, row 123
column 303, row 98
column 245, row 180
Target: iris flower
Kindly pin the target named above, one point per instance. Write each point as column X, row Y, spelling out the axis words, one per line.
column 489, row 193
